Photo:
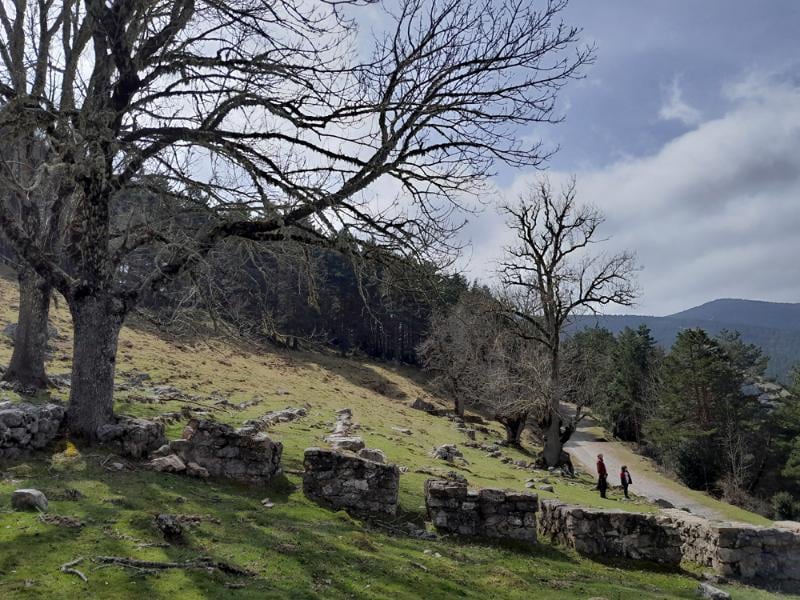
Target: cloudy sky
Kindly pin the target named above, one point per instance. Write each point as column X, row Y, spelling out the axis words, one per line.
column 686, row 134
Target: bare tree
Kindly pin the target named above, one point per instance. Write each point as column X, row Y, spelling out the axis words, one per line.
column 551, row 275
column 479, row 361
column 258, row 113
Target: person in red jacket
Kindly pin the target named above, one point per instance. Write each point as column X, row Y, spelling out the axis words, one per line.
column 602, row 476
column 625, row 479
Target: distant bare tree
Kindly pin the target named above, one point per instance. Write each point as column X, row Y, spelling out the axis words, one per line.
column 258, row 113
column 550, row 275
column 478, row 360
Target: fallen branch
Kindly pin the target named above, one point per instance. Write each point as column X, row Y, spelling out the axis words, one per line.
column 67, row 568
column 146, row 565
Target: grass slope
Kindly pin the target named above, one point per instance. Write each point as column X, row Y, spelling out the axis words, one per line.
column 296, row 549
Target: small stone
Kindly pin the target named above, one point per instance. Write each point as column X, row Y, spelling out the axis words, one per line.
column 706, row 590
column 402, row 430
column 661, row 503
column 530, row 484
column 267, row 503
column 29, row 499
column 546, row 488
column 170, row 526
column 117, row 466
column 195, row 470
column 168, row 464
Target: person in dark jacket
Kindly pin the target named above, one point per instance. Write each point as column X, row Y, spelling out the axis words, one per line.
column 625, row 479
column 602, row 476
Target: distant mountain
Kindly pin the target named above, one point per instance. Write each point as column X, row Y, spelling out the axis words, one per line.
column 773, row 326
column 775, row 315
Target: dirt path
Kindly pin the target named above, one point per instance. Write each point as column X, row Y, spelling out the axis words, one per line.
column 584, row 446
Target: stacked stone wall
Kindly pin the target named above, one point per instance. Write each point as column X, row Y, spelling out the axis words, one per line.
column 342, row 480
column 243, row 454
column 610, row 532
column 491, row 513
column 28, row 427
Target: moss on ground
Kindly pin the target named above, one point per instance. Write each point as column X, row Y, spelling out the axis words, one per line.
column 295, row 549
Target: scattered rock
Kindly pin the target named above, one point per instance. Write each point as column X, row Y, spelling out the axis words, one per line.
column 29, row 499
column 546, row 488
column 267, row 503
column 168, row 464
column 402, row 430
column 195, row 470
column 448, row 452
column 286, row 415
column 661, row 503
column 170, row 527
column 706, row 590
column 61, row 521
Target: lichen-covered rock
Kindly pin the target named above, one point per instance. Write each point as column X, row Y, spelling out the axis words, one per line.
column 373, row 454
column 345, row 481
column 610, row 532
column 492, row 513
column 133, row 437
column 28, row 427
column 244, row 454
column 706, row 590
column 28, row 499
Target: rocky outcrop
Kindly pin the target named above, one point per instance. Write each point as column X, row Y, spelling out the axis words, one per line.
column 758, row 555
column 28, row 427
column 344, row 481
column 133, row 437
column 610, row 532
column 491, row 513
column 244, row 455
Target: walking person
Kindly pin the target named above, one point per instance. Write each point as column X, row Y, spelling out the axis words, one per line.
column 602, row 476
column 625, row 480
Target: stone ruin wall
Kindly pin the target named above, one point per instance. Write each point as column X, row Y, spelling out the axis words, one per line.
column 243, row 455
column 491, row 513
column 25, row 428
column 763, row 556
column 344, row 481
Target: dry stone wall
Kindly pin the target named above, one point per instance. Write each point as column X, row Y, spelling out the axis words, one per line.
column 759, row 555
column 244, row 454
column 345, row 481
column 765, row 556
column 27, row 427
column 492, row 513
column 610, row 532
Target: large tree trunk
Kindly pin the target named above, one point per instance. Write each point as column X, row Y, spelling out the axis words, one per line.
column 30, row 340
column 514, row 427
column 96, row 321
column 553, row 444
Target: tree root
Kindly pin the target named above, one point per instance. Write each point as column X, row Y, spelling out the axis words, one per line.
column 68, row 568
column 152, row 566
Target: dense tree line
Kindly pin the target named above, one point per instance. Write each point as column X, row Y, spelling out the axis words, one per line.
column 696, row 410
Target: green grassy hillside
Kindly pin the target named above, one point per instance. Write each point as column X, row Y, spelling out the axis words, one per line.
column 294, row 549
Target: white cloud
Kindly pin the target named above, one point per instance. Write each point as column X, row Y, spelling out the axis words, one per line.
column 675, row 107
column 714, row 213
